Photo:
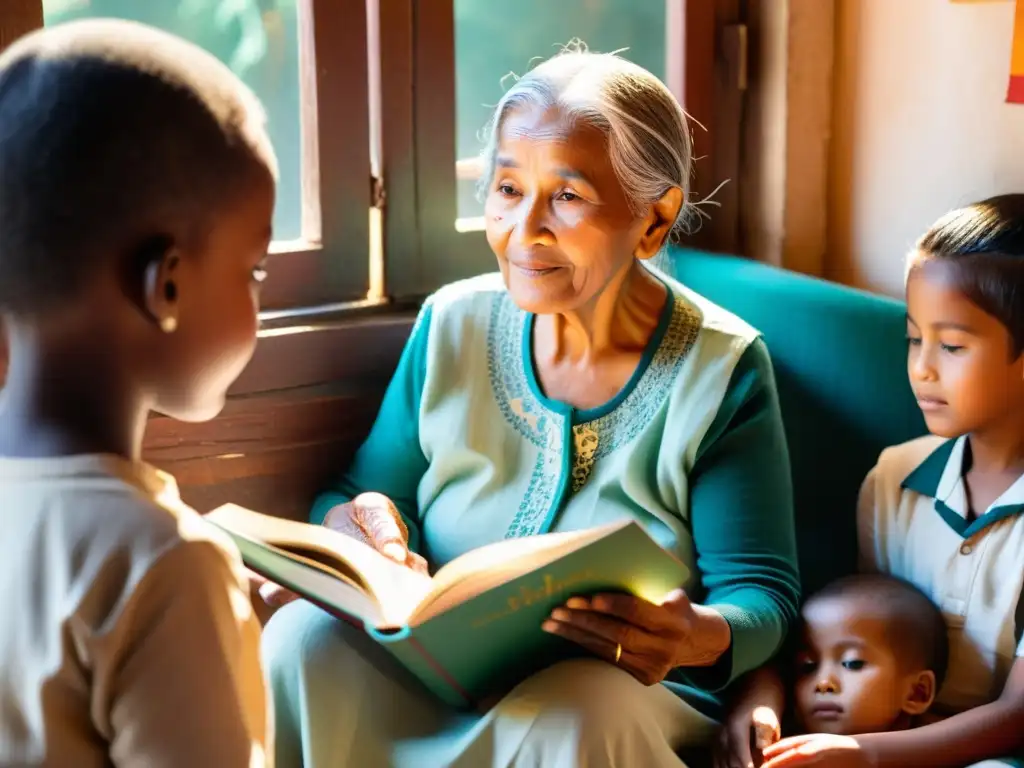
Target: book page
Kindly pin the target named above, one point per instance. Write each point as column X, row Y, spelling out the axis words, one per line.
column 283, row 569
column 396, row 589
column 489, row 566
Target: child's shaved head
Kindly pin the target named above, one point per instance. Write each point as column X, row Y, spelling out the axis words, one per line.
column 114, row 138
column 873, row 655
column 915, row 628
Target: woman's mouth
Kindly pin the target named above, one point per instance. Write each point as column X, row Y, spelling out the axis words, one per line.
column 535, row 270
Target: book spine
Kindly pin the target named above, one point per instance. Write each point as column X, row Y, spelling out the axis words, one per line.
column 412, row 655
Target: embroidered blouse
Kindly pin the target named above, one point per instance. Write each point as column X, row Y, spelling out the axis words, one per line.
column 471, row 450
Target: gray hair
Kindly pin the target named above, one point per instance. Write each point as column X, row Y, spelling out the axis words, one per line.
column 648, row 137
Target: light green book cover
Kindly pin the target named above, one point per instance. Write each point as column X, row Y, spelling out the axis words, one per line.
column 475, row 628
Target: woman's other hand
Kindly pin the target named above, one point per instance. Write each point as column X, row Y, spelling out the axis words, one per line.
column 272, row 594
column 745, row 735
column 373, row 519
column 645, row 639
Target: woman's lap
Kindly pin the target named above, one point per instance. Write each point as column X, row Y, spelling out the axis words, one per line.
column 342, row 700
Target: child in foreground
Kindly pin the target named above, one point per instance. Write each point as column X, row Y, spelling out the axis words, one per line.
column 946, row 512
column 871, row 655
column 136, row 191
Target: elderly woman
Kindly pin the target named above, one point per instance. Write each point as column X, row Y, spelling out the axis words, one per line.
column 578, row 387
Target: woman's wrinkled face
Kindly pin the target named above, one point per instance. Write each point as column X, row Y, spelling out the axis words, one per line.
column 557, row 217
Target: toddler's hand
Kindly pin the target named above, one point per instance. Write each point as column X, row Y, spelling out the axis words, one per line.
column 764, row 731
column 744, row 735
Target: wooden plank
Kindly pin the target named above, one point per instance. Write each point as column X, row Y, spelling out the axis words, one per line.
column 357, row 351
column 274, row 451
column 690, row 30
column 18, row 17
column 788, row 133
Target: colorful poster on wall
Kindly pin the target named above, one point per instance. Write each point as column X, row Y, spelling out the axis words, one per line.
column 1015, row 93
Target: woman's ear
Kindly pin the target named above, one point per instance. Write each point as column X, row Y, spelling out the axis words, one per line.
column 659, row 222
column 921, row 693
column 160, row 287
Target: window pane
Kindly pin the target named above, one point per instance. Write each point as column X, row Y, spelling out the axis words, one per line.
column 258, row 39
column 493, row 39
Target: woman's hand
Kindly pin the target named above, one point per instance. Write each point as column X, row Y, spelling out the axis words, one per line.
column 645, row 639
column 371, row 518
column 745, row 735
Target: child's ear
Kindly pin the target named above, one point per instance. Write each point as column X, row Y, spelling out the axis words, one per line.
column 161, row 287
column 921, row 693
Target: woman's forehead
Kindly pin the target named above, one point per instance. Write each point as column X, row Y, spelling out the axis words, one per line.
column 534, row 131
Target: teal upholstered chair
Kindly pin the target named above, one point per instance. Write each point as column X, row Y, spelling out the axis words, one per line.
column 840, row 362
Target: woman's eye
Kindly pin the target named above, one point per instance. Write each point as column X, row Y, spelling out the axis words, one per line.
column 568, row 197
column 506, row 189
column 805, row 666
column 914, row 341
column 854, row 665
column 951, row 348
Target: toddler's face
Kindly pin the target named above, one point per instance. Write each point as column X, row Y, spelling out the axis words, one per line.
column 848, row 680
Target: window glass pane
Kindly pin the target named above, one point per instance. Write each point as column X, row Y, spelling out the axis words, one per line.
column 493, row 39
column 258, row 39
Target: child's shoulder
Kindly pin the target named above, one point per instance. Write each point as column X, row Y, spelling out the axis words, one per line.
column 897, row 462
column 108, row 524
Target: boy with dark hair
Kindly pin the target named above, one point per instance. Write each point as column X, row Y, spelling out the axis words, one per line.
column 136, row 191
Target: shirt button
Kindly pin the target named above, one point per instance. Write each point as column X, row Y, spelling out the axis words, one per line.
column 966, row 548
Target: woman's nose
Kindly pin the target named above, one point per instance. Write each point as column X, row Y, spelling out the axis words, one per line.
column 535, row 228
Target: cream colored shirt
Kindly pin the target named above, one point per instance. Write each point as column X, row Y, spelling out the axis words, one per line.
column 914, row 524
column 127, row 635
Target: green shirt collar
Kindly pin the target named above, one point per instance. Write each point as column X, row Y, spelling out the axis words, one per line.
column 940, row 476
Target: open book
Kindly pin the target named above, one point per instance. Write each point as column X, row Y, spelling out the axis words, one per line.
column 474, row 625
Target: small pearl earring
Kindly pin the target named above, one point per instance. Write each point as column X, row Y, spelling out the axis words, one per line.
column 169, row 324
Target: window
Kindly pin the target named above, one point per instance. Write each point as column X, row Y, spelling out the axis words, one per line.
column 299, row 56
column 375, row 108
column 258, row 41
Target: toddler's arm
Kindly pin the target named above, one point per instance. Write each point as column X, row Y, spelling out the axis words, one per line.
column 752, row 722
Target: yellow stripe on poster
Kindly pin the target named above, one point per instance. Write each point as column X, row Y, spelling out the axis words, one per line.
column 1015, row 91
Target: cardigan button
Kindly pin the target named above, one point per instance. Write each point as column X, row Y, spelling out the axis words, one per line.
column 966, row 548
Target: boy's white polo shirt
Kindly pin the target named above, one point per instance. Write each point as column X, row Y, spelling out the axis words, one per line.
column 912, row 523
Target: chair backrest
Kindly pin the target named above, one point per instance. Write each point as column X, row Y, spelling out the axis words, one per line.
column 840, row 362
